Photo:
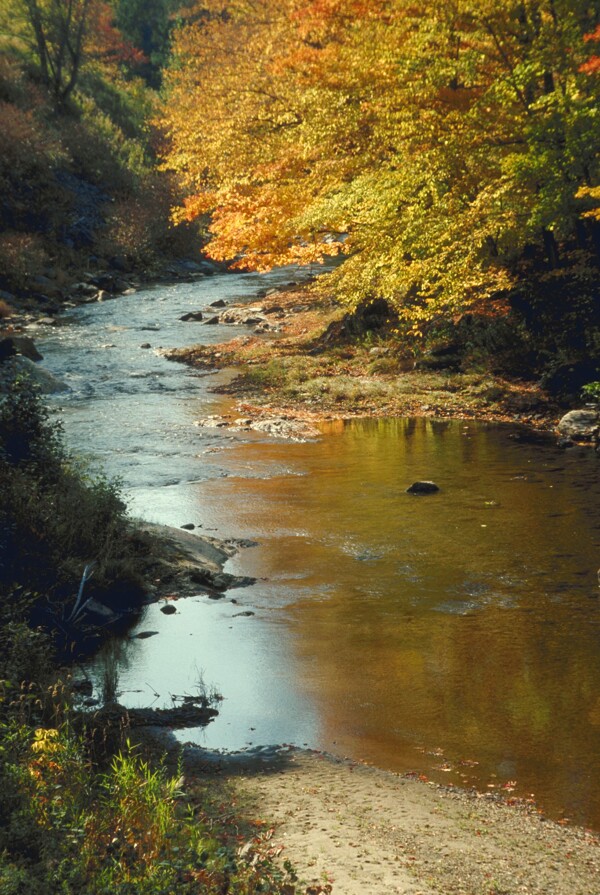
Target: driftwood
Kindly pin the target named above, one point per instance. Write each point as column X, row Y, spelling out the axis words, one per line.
column 115, row 715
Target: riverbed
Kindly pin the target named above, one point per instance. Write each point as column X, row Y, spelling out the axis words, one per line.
column 455, row 635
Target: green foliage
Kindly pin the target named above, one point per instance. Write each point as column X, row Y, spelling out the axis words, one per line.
column 591, row 391
column 27, row 435
column 68, row 828
column 148, row 25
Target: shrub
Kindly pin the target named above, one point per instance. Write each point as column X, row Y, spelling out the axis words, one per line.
column 591, row 391
column 57, row 517
column 22, row 255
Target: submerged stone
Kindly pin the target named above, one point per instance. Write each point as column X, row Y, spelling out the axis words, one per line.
column 423, row 488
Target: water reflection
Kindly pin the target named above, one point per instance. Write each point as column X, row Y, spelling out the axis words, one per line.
column 457, row 631
column 465, row 621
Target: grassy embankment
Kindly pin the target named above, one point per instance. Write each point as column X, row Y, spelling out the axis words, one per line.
column 81, row 810
column 320, row 362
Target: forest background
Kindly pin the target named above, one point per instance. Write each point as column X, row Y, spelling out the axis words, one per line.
column 446, row 154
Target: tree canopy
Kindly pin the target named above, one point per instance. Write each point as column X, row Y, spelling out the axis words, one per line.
column 430, row 144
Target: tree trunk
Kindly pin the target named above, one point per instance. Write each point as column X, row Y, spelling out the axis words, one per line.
column 551, row 249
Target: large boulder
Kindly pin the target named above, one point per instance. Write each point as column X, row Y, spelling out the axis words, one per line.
column 47, row 383
column 43, row 284
column 581, row 425
column 11, row 345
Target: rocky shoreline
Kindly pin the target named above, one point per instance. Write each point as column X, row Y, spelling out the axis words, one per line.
column 294, row 373
column 186, row 564
column 297, row 366
column 25, row 315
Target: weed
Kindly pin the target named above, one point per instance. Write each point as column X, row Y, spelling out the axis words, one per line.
column 111, row 654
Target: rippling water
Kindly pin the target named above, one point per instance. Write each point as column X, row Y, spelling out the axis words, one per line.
column 455, row 634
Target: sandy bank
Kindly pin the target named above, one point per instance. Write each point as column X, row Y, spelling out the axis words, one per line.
column 373, row 832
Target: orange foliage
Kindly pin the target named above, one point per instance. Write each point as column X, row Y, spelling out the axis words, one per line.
column 105, row 41
column 420, row 140
column 592, row 65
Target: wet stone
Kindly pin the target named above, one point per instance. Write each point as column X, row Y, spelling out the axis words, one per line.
column 424, row 487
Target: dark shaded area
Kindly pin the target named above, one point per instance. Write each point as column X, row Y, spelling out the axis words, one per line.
column 70, row 562
column 374, row 316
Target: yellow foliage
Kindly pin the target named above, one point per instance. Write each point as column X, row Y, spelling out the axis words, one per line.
column 593, row 193
column 427, row 143
column 47, row 741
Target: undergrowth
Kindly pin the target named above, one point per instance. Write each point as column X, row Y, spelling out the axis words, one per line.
column 57, row 517
column 82, row 810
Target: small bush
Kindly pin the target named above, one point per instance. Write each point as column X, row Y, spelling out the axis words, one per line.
column 22, row 255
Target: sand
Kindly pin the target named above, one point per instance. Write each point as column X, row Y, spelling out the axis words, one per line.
column 370, row 832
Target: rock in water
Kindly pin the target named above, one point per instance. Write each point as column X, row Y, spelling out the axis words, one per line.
column 580, row 424
column 47, row 383
column 423, row 488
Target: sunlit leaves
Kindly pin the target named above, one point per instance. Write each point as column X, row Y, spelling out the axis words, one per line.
column 430, row 144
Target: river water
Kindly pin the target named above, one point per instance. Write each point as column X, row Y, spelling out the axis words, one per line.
column 455, row 635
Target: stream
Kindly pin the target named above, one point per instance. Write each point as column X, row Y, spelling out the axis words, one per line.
column 454, row 635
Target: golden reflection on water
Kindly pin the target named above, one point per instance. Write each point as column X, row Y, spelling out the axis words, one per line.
column 464, row 623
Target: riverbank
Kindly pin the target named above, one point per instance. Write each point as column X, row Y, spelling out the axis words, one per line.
column 58, row 293
column 183, row 564
column 302, row 361
column 361, row 830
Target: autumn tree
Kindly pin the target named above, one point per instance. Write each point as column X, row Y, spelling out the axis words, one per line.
column 62, row 35
column 427, row 143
